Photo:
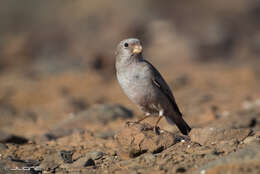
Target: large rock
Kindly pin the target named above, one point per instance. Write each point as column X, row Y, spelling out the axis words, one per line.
column 216, row 135
column 136, row 139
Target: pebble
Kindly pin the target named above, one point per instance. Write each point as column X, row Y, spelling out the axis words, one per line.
column 203, row 172
column 66, row 156
column 89, row 162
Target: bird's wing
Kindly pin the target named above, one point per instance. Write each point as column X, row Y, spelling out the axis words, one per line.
column 160, row 83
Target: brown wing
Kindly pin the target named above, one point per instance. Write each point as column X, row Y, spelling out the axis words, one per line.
column 162, row 85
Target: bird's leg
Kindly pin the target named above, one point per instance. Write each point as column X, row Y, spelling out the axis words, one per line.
column 140, row 120
column 157, row 122
column 156, row 128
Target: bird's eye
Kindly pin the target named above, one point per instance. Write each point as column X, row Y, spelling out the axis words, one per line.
column 126, row 45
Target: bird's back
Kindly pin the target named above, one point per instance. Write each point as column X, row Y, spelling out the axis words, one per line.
column 163, row 87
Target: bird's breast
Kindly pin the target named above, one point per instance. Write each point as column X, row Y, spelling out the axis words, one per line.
column 134, row 83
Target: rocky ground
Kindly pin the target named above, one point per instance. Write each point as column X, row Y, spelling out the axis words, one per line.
column 62, row 127
column 62, row 110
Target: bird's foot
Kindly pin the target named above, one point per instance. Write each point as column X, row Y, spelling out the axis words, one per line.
column 156, row 130
column 128, row 123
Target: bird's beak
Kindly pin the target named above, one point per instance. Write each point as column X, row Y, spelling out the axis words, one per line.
column 137, row 49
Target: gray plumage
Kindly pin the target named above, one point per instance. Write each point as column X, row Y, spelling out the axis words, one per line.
column 144, row 85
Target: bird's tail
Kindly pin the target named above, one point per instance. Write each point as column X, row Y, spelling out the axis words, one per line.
column 180, row 123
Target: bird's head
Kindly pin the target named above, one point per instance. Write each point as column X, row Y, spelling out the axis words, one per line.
column 129, row 47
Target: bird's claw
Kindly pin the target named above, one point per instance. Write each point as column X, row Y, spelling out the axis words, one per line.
column 156, row 130
column 128, row 123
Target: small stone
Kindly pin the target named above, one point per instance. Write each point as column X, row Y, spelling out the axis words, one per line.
column 161, row 131
column 10, row 138
column 66, row 156
column 215, row 152
column 89, row 162
column 181, row 170
column 202, row 171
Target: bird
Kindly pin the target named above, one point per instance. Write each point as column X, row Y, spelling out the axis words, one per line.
column 145, row 86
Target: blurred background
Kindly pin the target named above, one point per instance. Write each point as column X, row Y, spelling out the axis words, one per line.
column 57, row 57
